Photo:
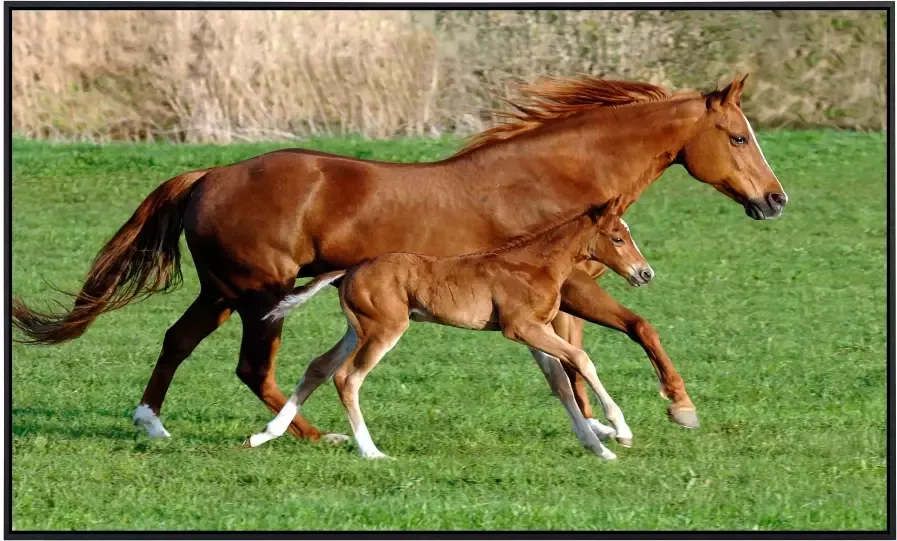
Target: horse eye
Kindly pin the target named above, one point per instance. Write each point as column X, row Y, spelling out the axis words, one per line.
column 617, row 240
column 738, row 140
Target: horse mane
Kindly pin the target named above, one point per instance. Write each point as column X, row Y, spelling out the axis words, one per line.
column 556, row 98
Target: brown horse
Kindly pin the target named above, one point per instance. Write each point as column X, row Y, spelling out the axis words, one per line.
column 255, row 226
column 515, row 289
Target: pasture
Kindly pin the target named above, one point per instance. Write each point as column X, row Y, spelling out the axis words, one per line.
column 778, row 328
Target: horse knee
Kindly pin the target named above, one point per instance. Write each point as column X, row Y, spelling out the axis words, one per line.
column 640, row 330
column 245, row 373
column 251, row 375
column 339, row 380
column 580, row 360
column 177, row 344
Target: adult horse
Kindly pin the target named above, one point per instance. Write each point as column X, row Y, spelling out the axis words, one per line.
column 253, row 227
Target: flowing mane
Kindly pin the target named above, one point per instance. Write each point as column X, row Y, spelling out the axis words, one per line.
column 556, row 98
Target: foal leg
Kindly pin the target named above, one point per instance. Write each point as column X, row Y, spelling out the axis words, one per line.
column 548, row 365
column 258, row 351
column 542, row 337
column 583, row 297
column 571, row 329
column 348, row 379
column 560, row 386
column 573, row 333
column 205, row 315
column 320, row 370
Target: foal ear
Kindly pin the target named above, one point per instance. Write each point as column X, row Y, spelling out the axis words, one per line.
column 595, row 212
column 621, row 204
column 614, row 207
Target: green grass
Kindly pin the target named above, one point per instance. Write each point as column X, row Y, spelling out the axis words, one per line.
column 778, row 328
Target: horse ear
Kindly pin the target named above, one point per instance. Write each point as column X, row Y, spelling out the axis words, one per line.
column 734, row 91
column 730, row 94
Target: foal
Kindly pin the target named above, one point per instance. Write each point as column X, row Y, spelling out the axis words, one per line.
column 515, row 289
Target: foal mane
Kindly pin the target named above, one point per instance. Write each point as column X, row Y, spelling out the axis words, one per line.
column 526, row 238
column 556, row 98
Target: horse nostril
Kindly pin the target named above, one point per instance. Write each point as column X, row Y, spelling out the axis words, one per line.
column 646, row 275
column 776, row 200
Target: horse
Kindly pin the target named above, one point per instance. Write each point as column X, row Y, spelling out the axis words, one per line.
column 515, row 289
column 255, row 226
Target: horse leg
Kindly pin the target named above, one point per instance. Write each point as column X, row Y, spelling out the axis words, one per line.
column 377, row 339
column 559, row 381
column 258, row 351
column 319, row 371
column 199, row 320
column 583, row 297
column 543, row 338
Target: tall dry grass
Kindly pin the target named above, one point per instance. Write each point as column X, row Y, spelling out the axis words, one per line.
column 246, row 75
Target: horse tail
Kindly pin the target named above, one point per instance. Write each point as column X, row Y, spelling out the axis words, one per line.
column 142, row 258
column 302, row 293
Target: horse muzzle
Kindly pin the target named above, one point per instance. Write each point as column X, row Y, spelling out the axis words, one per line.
column 771, row 206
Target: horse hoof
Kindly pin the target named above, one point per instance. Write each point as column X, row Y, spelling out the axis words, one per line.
column 687, row 417
column 625, row 442
column 609, row 455
column 335, row 439
column 246, row 444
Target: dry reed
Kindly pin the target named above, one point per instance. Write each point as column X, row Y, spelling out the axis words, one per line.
column 222, row 76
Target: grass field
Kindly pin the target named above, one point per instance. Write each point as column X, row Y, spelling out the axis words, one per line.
column 778, row 328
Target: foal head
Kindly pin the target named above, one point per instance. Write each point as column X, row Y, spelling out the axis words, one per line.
column 613, row 245
column 724, row 153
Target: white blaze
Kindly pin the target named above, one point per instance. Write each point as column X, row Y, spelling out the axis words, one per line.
column 630, row 236
column 754, row 139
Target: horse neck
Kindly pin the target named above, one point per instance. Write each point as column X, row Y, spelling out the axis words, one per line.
column 598, row 154
column 557, row 250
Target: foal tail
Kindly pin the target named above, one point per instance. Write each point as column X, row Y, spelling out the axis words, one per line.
column 303, row 293
column 142, row 258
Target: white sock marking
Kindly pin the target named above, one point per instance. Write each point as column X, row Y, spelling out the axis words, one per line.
column 282, row 421
column 277, row 426
column 601, row 430
column 145, row 417
column 365, row 444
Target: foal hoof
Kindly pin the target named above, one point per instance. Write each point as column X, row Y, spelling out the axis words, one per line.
column 625, row 442
column 604, row 432
column 687, row 417
column 246, row 444
column 335, row 439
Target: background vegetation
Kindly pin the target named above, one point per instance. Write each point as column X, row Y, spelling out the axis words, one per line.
column 223, row 76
